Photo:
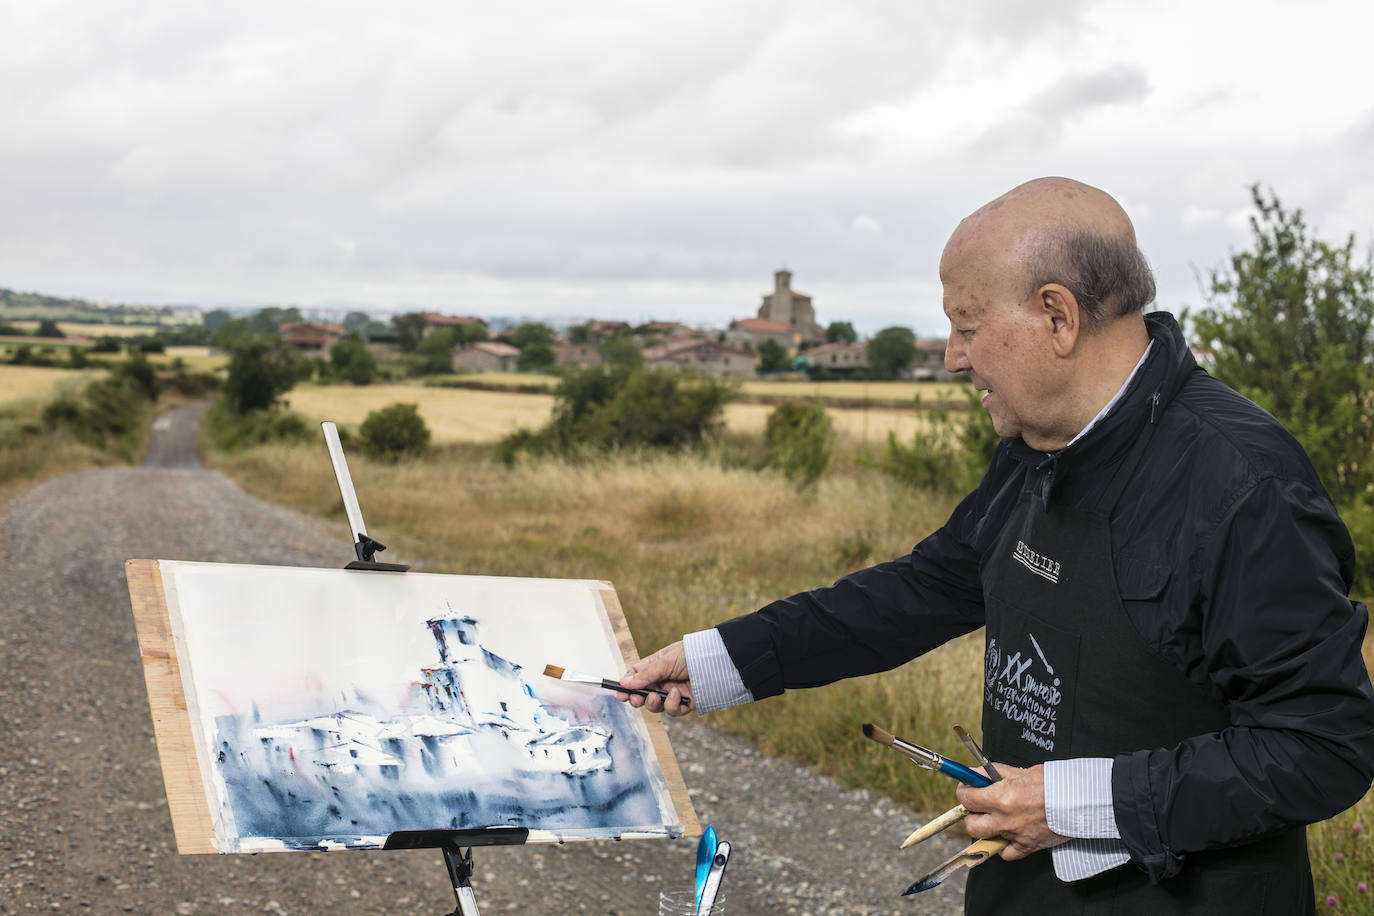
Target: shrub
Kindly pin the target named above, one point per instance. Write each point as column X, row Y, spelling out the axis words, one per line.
column 951, row 457
column 393, row 432
column 351, row 359
column 106, row 344
column 601, row 409
column 232, row 430
column 800, row 440
column 141, row 373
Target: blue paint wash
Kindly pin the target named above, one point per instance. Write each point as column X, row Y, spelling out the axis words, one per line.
column 486, row 752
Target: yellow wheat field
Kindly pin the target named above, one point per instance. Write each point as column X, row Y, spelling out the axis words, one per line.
column 23, row 383
column 452, row 414
column 473, row 415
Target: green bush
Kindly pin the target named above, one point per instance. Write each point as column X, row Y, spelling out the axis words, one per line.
column 110, row 414
column 394, row 432
column 951, row 457
column 351, row 359
column 800, row 440
column 232, row 430
column 601, row 409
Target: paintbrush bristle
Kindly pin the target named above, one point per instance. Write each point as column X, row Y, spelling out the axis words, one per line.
column 553, row 671
column 877, row 734
column 959, row 730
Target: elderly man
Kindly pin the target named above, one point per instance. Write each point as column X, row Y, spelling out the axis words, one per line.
column 1173, row 678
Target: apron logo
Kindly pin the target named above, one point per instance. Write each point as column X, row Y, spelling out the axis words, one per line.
column 1037, row 563
column 1025, row 696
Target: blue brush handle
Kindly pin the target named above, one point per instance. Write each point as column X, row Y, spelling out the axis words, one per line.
column 964, row 774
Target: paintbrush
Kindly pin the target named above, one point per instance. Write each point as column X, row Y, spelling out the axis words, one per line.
column 593, row 681
column 956, row 814
column 976, row 854
column 924, row 757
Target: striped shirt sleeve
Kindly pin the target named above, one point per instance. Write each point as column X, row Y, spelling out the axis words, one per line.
column 715, row 680
column 1078, row 804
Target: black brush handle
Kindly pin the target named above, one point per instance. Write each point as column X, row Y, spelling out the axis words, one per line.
column 640, row 691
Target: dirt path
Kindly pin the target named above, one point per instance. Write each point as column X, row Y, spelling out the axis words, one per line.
column 84, row 826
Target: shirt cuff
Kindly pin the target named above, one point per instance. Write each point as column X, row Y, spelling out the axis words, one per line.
column 716, row 683
column 1078, row 804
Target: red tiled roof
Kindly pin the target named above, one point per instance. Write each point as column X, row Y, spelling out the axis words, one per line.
column 760, row 326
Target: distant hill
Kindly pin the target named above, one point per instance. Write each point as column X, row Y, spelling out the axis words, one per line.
column 17, row 305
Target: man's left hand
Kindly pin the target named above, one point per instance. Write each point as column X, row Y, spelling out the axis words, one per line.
column 1012, row 809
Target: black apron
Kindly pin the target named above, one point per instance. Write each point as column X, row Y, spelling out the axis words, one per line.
column 1067, row 675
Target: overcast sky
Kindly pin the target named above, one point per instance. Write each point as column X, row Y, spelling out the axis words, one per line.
column 646, row 159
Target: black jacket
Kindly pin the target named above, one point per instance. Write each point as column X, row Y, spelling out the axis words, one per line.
column 1231, row 562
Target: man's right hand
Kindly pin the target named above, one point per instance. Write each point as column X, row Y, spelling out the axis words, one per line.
column 665, row 670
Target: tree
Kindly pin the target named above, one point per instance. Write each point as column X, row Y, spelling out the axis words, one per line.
column 528, row 333
column 536, row 356
column 580, row 334
column 840, row 331
column 214, row 319
column 270, row 319
column 772, row 356
column 356, row 321
column 48, row 328
column 352, row 360
column 410, row 329
column 621, row 352
column 261, row 370
column 890, row 352
column 1290, row 325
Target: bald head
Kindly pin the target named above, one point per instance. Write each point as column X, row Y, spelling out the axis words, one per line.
column 1056, row 230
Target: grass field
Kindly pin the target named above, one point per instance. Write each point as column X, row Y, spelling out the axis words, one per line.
column 93, row 330
column 876, row 392
column 474, row 415
column 26, row 383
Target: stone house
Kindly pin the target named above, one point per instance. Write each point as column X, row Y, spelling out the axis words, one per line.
column 704, row 356
column 487, row 356
column 929, row 361
column 753, row 331
column 433, row 321
column 311, row 336
column 839, row 358
column 575, row 354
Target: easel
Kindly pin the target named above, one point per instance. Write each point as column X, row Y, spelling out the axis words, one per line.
column 450, row 842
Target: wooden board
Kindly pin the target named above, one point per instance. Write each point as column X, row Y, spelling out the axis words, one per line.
column 186, row 795
column 672, row 773
column 189, row 798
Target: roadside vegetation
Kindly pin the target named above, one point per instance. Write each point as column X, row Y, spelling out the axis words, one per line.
column 700, row 500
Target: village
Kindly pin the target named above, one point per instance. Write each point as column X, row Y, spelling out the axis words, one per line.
column 784, row 338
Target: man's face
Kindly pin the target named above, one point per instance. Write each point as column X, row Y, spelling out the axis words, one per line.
column 994, row 338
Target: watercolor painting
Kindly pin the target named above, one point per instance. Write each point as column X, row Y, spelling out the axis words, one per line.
column 330, row 708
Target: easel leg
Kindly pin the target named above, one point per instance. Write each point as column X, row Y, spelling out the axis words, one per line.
column 459, row 864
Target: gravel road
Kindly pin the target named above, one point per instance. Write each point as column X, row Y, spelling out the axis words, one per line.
column 84, row 826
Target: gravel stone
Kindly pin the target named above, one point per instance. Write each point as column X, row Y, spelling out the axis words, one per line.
column 84, row 824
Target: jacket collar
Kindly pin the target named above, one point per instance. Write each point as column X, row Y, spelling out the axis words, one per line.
column 1168, row 366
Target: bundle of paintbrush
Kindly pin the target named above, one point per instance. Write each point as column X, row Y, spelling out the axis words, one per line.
column 605, row 683
column 981, row 850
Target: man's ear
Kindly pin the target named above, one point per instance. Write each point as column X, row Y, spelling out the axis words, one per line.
column 1059, row 308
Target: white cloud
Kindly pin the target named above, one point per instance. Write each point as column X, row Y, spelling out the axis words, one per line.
column 643, row 158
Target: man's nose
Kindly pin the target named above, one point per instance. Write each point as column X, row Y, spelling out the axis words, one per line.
column 955, row 358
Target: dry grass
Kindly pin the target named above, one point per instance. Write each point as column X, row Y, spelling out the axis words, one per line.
column 884, row 392
column 688, row 544
column 474, row 415
column 27, row 383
